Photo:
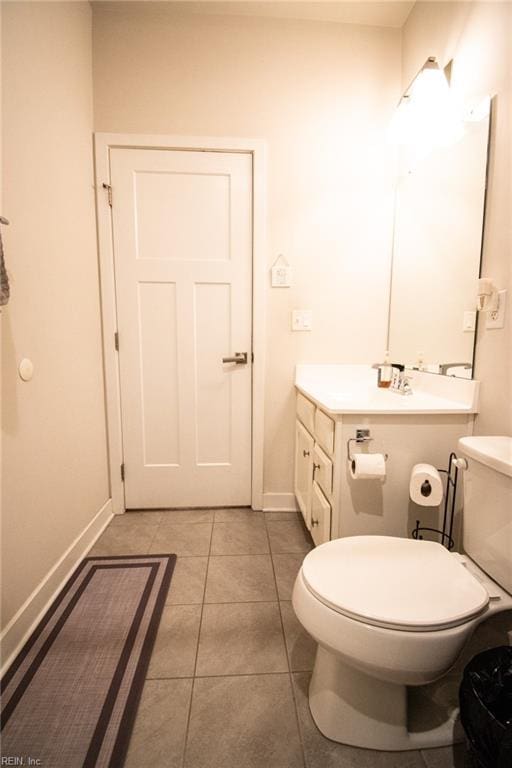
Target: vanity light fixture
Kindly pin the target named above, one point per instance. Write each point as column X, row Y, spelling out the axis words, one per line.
column 426, row 114
column 430, row 88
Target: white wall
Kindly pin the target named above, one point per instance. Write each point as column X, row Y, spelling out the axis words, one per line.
column 54, row 446
column 321, row 95
column 478, row 37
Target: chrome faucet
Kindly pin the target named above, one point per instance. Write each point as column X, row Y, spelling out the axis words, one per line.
column 444, row 367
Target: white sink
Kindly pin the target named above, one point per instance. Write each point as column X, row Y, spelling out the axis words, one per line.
column 353, row 389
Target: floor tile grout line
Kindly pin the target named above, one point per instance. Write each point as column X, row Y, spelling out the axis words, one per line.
column 250, row 554
column 177, row 522
column 244, row 554
column 229, row 602
column 145, row 521
column 189, row 715
column 290, row 679
column 283, row 673
column 153, row 539
column 280, row 615
column 239, row 554
column 242, row 602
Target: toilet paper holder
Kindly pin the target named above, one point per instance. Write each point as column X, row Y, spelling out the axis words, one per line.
column 446, row 532
column 362, row 436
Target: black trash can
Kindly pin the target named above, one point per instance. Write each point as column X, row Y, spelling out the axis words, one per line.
column 486, row 708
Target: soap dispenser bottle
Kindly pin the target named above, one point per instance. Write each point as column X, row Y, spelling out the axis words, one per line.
column 385, row 373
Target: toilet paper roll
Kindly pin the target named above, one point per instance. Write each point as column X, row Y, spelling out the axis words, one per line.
column 425, row 486
column 368, row 466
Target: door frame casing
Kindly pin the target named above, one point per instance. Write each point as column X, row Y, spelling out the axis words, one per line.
column 103, row 143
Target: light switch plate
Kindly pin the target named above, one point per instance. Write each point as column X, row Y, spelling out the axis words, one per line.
column 302, row 320
column 469, row 320
column 496, row 318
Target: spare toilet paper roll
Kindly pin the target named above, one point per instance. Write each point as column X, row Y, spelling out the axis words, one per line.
column 368, row 466
column 425, row 487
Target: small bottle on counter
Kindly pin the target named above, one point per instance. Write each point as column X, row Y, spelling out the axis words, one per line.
column 384, row 372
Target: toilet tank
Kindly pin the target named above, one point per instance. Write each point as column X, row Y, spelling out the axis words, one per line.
column 487, row 516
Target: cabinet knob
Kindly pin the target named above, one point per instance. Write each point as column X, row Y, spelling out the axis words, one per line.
column 314, row 522
column 315, row 466
column 305, row 453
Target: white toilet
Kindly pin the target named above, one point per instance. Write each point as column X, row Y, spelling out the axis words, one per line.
column 388, row 613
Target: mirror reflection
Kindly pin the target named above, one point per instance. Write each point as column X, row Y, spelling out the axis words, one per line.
column 439, row 219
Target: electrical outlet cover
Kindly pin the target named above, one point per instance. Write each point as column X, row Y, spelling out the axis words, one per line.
column 496, row 318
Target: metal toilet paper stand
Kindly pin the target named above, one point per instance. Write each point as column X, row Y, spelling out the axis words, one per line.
column 446, row 533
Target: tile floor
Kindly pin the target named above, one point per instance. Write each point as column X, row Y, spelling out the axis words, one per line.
column 228, row 678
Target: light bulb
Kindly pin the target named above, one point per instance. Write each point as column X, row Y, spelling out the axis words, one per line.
column 427, row 116
column 430, row 89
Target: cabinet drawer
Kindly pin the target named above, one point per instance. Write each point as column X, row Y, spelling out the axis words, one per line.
column 322, row 471
column 324, row 431
column 320, row 516
column 306, row 412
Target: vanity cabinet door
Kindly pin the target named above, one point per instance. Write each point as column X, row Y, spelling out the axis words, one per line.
column 322, row 470
column 304, row 444
column 320, row 516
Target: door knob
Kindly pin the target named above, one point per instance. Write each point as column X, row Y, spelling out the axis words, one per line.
column 240, row 358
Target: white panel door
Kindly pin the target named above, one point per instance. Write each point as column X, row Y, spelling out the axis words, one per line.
column 182, row 229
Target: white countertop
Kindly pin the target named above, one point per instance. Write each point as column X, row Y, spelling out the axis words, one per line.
column 341, row 389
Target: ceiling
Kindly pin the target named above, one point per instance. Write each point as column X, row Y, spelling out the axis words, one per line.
column 366, row 12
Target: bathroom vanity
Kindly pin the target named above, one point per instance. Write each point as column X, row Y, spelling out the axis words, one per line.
column 333, row 401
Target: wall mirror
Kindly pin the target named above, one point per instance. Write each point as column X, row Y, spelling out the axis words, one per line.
column 437, row 245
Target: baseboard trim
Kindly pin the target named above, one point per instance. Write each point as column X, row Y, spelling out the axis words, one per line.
column 279, row 502
column 23, row 623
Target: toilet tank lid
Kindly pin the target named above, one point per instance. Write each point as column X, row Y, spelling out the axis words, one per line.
column 494, row 452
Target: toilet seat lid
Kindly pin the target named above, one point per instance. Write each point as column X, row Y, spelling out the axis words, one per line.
column 392, row 582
